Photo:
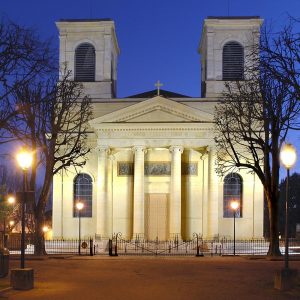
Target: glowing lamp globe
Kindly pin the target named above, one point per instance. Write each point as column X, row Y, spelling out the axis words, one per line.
column 288, row 155
column 45, row 228
column 24, row 159
column 234, row 205
column 11, row 200
column 79, row 205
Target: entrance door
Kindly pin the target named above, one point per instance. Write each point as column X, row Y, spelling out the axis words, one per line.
column 156, row 216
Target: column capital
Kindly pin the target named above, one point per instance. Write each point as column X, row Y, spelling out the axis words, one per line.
column 211, row 148
column 139, row 149
column 204, row 154
column 103, row 149
column 176, row 149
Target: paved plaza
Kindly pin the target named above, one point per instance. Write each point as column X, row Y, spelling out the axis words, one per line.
column 156, row 278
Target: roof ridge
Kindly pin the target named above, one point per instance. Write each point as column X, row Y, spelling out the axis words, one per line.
column 162, row 92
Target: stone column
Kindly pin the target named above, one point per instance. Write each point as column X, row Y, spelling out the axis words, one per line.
column 110, row 194
column 138, row 193
column 175, row 195
column 212, row 209
column 102, row 192
column 204, row 187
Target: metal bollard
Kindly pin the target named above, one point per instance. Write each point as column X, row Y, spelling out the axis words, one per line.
column 110, row 247
column 91, row 247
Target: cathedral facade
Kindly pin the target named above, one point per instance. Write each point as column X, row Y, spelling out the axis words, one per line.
column 151, row 169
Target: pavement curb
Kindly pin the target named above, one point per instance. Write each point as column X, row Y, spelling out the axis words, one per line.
column 2, row 291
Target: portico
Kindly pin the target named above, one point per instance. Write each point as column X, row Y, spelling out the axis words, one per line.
column 152, row 162
column 158, row 200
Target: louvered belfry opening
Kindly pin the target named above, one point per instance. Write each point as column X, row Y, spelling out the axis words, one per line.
column 85, row 62
column 233, row 61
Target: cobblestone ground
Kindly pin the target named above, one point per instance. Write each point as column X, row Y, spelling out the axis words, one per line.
column 153, row 278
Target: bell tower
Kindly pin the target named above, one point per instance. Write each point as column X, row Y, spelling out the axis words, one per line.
column 89, row 49
column 224, row 45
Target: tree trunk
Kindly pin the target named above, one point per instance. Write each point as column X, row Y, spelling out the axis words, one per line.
column 39, row 248
column 274, row 232
column 39, row 241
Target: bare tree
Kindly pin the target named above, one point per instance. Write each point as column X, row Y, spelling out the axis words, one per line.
column 48, row 115
column 284, row 53
column 23, row 56
column 254, row 117
column 10, row 183
column 53, row 122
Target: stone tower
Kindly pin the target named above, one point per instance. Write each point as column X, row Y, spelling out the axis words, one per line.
column 89, row 49
column 224, row 45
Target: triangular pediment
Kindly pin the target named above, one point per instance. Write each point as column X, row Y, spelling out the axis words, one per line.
column 154, row 110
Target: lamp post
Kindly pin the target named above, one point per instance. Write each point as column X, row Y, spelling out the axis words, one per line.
column 24, row 159
column 11, row 224
column 79, row 206
column 45, row 228
column 10, row 200
column 45, row 231
column 288, row 158
column 234, row 205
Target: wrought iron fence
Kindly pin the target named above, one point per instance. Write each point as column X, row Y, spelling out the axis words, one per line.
column 198, row 247
column 117, row 245
column 56, row 246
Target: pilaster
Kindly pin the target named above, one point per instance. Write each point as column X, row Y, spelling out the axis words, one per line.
column 110, row 195
column 204, row 194
column 102, row 191
column 212, row 207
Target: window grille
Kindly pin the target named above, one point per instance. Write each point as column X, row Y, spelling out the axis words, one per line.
column 85, row 61
column 233, row 191
column 233, row 61
column 83, row 192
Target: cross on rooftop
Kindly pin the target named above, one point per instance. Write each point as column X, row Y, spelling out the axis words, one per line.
column 158, row 85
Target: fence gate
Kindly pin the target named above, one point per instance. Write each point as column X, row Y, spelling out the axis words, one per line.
column 156, row 247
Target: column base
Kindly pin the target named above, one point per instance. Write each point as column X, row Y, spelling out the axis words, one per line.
column 22, row 279
column 175, row 236
column 285, row 279
column 138, row 236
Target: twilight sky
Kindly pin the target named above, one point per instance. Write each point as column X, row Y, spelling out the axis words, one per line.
column 158, row 38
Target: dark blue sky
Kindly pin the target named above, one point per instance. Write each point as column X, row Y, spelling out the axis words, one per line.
column 158, row 38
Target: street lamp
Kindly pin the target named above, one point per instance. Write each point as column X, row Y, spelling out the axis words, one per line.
column 234, row 205
column 24, row 159
column 288, row 158
column 79, row 206
column 11, row 224
column 45, row 228
column 10, row 200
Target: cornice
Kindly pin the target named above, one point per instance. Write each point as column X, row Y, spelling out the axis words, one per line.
column 154, row 127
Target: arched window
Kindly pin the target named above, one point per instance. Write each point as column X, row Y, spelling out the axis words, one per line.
column 85, row 61
column 233, row 61
column 233, row 191
column 83, row 192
